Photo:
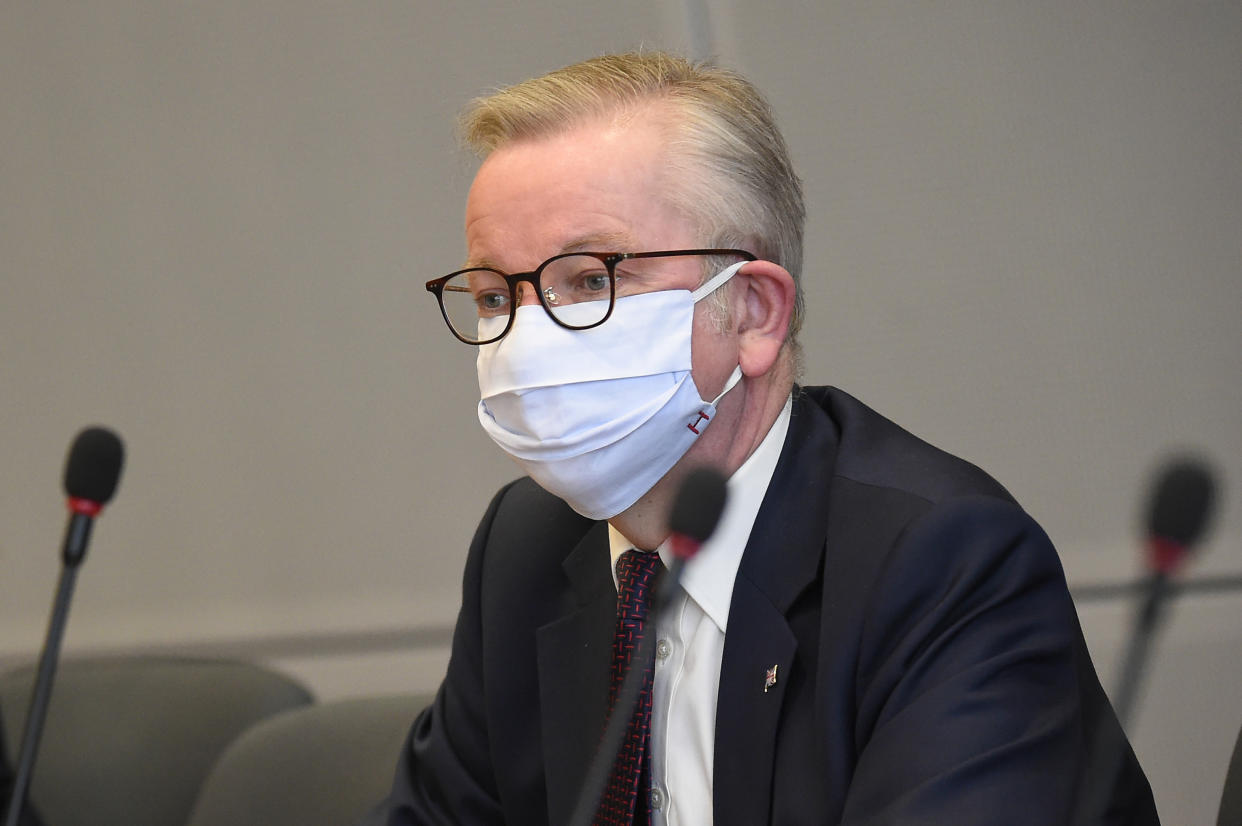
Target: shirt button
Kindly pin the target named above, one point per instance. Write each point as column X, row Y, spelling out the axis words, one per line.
column 657, row 798
column 663, row 649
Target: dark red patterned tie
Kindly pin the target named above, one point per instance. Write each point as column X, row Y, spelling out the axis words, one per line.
column 625, row 801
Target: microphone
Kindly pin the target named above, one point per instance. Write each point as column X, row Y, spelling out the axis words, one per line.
column 92, row 471
column 1179, row 510
column 1178, row 513
column 696, row 511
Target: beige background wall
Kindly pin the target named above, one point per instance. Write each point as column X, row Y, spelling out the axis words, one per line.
column 216, row 219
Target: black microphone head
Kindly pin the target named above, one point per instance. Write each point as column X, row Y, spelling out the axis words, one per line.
column 1181, row 502
column 93, row 468
column 699, row 503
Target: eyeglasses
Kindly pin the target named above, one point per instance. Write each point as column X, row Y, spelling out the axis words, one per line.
column 577, row 290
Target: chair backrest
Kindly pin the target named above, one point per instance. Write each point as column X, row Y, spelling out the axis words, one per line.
column 1231, row 797
column 322, row 765
column 28, row 816
column 129, row 740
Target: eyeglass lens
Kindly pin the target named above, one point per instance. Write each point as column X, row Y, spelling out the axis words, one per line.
column 577, row 291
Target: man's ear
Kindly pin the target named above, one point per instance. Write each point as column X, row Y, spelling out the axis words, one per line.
column 763, row 302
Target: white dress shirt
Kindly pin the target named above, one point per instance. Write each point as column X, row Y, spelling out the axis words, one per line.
column 690, row 644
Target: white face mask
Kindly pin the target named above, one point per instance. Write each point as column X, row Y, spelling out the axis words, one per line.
column 598, row 416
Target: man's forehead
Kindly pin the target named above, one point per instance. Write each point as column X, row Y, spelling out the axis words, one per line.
column 605, row 150
column 598, row 187
column 602, row 241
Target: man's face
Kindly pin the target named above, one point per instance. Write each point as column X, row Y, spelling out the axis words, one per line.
column 596, row 187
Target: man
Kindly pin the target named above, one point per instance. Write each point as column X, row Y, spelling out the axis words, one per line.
column 876, row 633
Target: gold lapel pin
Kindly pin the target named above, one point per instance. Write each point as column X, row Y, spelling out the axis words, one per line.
column 769, row 678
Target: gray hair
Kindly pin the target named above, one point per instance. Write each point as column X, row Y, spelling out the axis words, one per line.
column 732, row 172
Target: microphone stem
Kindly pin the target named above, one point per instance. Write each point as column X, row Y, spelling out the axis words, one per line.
column 1135, row 658
column 77, row 535
column 42, row 691
column 1108, row 743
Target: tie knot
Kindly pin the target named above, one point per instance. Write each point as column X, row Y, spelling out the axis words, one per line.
column 637, row 573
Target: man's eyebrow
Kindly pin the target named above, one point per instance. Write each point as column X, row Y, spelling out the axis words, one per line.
column 601, row 242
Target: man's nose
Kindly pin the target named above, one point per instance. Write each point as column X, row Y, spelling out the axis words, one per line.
column 526, row 294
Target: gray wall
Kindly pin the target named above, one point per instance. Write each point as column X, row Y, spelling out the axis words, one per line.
column 216, row 219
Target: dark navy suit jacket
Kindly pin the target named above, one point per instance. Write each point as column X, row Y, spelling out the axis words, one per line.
column 931, row 666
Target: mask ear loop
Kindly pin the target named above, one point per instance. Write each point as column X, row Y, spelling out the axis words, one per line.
column 709, row 287
column 717, row 280
column 734, row 378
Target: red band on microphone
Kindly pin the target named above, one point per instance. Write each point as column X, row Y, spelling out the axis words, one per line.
column 1165, row 555
column 85, row 507
column 682, row 546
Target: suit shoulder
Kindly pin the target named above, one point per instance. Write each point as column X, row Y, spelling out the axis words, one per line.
column 877, row 452
column 521, row 511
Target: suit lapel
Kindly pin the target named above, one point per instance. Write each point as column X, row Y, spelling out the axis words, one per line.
column 782, row 558
column 748, row 707
column 574, row 654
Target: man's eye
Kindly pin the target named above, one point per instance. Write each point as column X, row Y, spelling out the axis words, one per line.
column 593, row 282
column 492, row 302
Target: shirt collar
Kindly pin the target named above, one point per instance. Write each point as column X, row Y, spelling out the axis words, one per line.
column 708, row 577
